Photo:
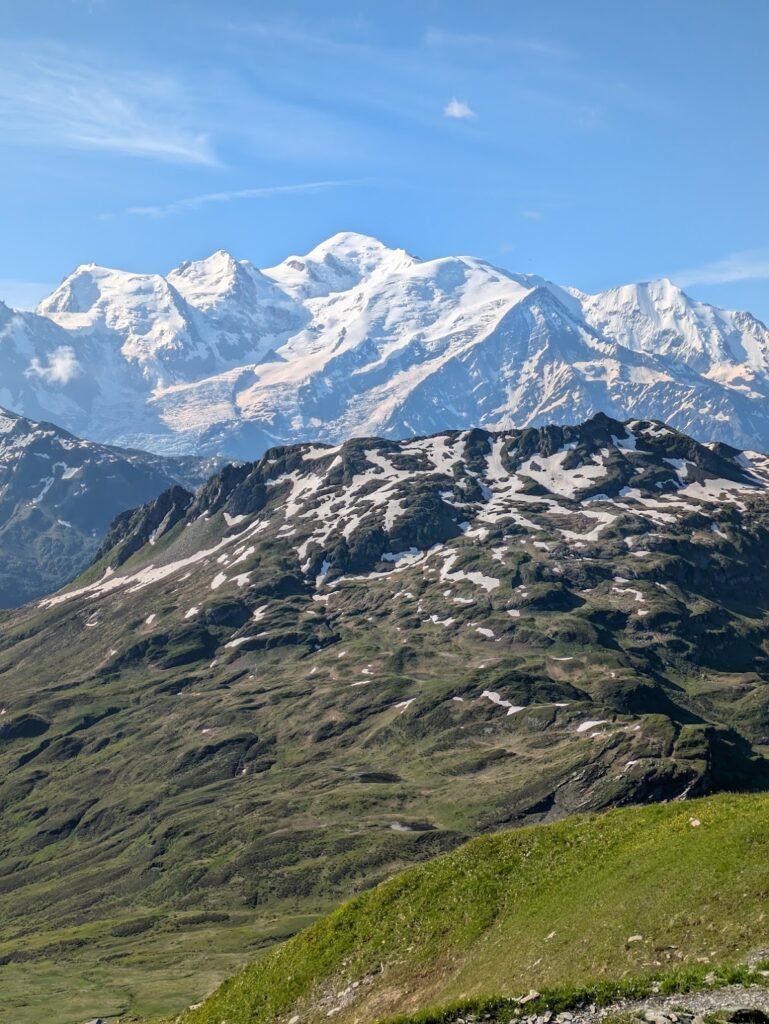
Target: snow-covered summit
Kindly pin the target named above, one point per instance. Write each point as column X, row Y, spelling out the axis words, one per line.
column 355, row 337
column 658, row 317
column 205, row 282
column 338, row 264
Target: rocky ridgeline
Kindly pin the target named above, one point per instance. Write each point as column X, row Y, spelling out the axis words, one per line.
column 734, row 1004
column 58, row 496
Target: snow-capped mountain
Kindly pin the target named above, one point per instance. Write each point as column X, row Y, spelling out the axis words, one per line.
column 355, row 338
column 58, row 495
column 659, row 318
column 376, row 506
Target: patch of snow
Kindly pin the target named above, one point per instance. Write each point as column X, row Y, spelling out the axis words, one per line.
column 496, row 698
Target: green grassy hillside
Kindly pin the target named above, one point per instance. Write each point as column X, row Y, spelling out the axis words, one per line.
column 625, row 894
column 335, row 664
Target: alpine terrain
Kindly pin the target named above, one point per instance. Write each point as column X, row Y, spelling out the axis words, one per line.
column 355, row 338
column 548, row 906
column 58, row 496
column 339, row 660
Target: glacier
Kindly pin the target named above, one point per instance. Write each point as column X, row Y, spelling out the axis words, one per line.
column 359, row 339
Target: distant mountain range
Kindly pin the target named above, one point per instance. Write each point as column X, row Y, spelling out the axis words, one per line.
column 355, row 338
column 339, row 659
column 58, row 495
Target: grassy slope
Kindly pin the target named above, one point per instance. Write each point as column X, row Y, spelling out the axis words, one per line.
column 549, row 905
column 140, row 864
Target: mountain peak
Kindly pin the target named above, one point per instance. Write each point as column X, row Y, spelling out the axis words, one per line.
column 91, row 286
column 357, row 338
column 349, row 243
column 663, row 289
column 203, row 283
column 76, row 293
column 221, row 259
column 657, row 291
column 337, row 264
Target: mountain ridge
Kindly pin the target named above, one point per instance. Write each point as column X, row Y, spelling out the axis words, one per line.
column 342, row 659
column 355, row 338
column 59, row 494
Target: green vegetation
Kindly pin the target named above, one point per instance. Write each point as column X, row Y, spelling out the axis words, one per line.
column 212, row 747
column 584, row 910
column 600, row 994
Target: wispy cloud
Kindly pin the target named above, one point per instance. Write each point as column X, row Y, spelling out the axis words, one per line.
column 751, row 265
column 531, row 214
column 339, row 36
column 480, row 42
column 262, row 192
column 458, row 109
column 52, row 97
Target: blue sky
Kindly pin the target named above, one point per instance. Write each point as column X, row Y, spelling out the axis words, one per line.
column 592, row 142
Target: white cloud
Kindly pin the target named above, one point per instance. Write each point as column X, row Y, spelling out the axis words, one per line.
column 458, row 109
column 193, row 202
column 62, row 366
column 531, row 214
column 52, row 97
column 751, row 265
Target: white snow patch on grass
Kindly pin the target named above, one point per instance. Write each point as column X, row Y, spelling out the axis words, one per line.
column 238, row 641
column 488, row 583
column 496, row 698
column 233, row 520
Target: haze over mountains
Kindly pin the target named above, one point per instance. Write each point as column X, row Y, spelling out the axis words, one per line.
column 358, row 339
